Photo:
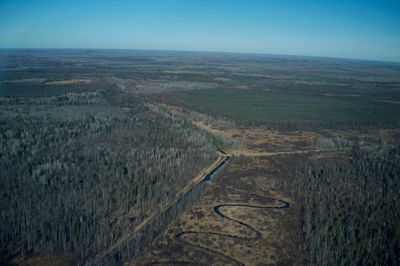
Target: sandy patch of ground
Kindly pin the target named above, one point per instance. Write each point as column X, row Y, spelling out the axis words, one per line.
column 69, row 81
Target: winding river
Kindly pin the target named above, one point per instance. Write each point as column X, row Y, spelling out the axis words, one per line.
column 219, row 210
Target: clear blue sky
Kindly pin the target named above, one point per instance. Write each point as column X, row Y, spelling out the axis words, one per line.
column 363, row 29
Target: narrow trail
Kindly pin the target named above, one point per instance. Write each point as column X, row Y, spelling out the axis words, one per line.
column 219, row 211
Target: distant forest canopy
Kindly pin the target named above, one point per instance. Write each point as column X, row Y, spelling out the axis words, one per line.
column 292, row 110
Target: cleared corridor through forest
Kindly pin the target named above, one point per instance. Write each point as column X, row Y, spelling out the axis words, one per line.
column 114, row 252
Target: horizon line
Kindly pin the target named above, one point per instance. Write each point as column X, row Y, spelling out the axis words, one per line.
column 210, row 51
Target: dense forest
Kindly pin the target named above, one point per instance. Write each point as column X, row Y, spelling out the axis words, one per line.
column 290, row 111
column 350, row 208
column 81, row 169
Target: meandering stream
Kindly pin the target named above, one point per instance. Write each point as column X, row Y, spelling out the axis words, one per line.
column 219, row 210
